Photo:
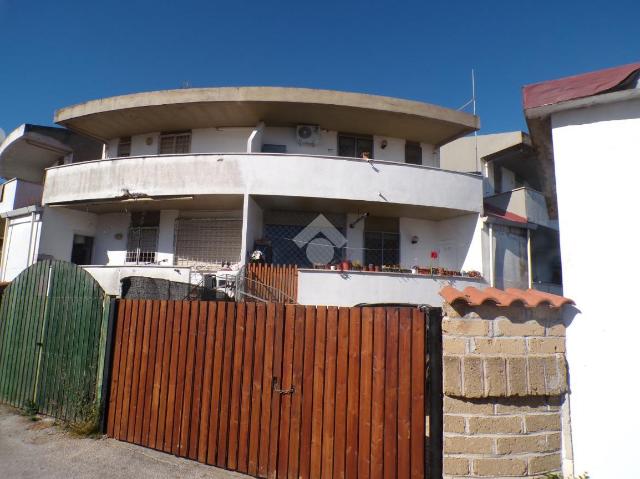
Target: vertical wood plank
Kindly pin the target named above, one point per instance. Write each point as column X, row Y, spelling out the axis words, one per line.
column 246, row 411
column 307, row 391
column 166, row 373
column 214, row 415
column 391, row 396
column 236, row 381
column 340, row 410
column 226, row 385
column 207, row 380
column 198, row 376
column 261, row 398
column 173, row 376
column 187, row 423
column 142, row 381
column 285, row 383
column 135, row 380
column 296, row 398
column 277, row 311
column 404, row 394
column 124, row 364
column 115, row 370
column 353, row 395
column 157, row 373
column 366, row 375
column 133, row 339
column 418, row 380
column 315, row 461
column 378, row 394
column 329, row 393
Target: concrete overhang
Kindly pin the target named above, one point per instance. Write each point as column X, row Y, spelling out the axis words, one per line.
column 28, row 150
column 174, row 110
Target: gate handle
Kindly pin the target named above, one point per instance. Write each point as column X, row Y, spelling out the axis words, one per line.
column 276, row 388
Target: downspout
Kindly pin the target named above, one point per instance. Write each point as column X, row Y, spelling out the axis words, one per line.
column 29, row 254
column 492, row 266
column 529, row 267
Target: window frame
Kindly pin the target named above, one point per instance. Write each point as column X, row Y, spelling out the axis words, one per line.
column 124, row 142
column 174, row 135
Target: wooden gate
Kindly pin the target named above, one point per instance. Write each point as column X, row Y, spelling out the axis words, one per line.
column 53, row 321
column 273, row 390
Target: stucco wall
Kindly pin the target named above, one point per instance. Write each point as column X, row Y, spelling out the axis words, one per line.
column 20, row 245
column 597, row 169
column 59, row 225
column 18, row 194
column 252, row 226
column 338, row 178
column 107, row 248
column 335, row 288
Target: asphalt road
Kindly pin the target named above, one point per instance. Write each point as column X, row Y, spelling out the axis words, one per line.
column 40, row 449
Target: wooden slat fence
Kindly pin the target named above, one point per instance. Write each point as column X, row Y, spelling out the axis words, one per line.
column 273, row 390
column 275, row 283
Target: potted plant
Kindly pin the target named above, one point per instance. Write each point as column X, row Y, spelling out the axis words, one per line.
column 356, row 265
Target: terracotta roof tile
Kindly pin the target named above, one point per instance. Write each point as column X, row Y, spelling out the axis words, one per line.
column 529, row 298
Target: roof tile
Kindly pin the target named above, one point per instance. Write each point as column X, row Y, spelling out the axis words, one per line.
column 529, row 298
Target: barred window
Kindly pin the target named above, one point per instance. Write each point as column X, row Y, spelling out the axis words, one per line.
column 142, row 242
column 171, row 143
column 124, row 146
column 206, row 243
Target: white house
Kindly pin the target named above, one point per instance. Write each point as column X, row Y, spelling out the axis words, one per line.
column 588, row 126
column 190, row 180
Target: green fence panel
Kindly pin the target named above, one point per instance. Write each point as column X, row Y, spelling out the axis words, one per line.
column 53, row 328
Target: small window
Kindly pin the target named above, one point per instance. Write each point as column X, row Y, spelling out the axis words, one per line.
column 175, row 143
column 268, row 148
column 81, row 250
column 413, row 153
column 142, row 242
column 355, row 146
column 124, row 146
column 382, row 241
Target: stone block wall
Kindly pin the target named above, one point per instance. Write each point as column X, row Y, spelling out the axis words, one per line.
column 504, row 382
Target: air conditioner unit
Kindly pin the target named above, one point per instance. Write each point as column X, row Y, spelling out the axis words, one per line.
column 307, row 134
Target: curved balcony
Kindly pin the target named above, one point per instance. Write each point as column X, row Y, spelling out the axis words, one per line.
column 263, row 174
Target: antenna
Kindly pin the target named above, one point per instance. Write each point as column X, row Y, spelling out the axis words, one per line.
column 473, row 99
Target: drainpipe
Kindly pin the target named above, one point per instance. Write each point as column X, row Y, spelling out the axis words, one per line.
column 529, row 268
column 30, row 254
column 492, row 266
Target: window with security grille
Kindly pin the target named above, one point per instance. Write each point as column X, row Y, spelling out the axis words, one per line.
column 206, row 243
column 175, row 143
column 413, row 153
column 142, row 245
column 124, row 146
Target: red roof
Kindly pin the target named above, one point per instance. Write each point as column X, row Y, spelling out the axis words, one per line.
column 530, row 298
column 574, row 87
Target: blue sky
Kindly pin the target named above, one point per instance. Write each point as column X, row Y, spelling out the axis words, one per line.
column 56, row 53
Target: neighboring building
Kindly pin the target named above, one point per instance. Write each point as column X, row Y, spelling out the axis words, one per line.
column 518, row 216
column 190, row 180
column 588, row 128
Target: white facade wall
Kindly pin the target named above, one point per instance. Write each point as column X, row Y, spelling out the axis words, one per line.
column 333, row 288
column 252, row 226
column 19, row 194
column 166, row 236
column 597, row 168
column 20, row 246
column 110, row 242
column 59, row 225
column 235, row 140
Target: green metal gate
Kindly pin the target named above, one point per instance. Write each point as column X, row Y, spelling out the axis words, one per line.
column 53, row 328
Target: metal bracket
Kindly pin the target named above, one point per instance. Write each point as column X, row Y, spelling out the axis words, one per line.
column 276, row 388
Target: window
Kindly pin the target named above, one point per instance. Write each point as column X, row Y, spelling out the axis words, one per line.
column 412, row 153
column 175, row 143
column 381, row 241
column 206, row 243
column 142, row 242
column 81, row 250
column 268, row 148
column 354, row 146
column 124, row 146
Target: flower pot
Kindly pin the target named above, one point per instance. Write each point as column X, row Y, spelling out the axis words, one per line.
column 376, row 269
column 345, row 266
